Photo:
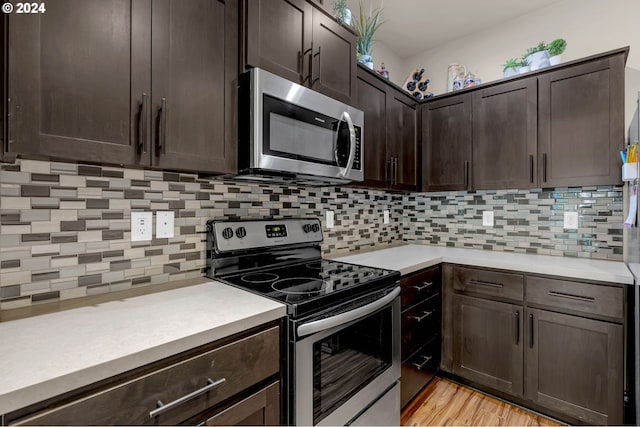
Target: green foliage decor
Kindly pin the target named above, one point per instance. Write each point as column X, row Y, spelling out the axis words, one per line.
column 556, row 47
column 365, row 26
column 340, row 9
column 511, row 63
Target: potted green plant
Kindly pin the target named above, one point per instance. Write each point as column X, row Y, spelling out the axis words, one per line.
column 341, row 12
column 555, row 49
column 523, row 66
column 510, row 67
column 537, row 56
column 366, row 25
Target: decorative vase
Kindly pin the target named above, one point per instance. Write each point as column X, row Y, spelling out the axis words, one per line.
column 525, row 69
column 509, row 72
column 538, row 60
column 366, row 60
column 555, row 60
column 346, row 19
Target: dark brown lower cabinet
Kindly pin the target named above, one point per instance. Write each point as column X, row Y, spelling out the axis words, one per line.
column 234, row 381
column 574, row 366
column 487, row 343
column 554, row 344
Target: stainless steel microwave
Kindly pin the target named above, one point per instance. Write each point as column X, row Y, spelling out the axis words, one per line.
column 287, row 132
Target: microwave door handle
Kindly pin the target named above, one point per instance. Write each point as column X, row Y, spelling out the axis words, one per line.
column 352, row 145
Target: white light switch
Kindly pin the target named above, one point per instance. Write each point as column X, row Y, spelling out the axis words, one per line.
column 571, row 220
column 385, row 216
column 487, row 218
column 330, row 217
column 164, row 224
column 141, row 226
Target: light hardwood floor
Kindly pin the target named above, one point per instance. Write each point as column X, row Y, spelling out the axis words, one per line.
column 445, row 403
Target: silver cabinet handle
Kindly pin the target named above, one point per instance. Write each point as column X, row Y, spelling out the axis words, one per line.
column 162, row 134
column 425, row 314
column 488, row 284
column 425, row 285
column 570, row 296
column 342, row 318
column 211, row 384
column 419, row 366
column 142, row 124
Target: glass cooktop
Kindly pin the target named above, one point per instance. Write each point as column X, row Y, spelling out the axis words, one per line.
column 312, row 284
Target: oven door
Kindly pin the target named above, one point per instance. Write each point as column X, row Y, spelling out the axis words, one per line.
column 346, row 363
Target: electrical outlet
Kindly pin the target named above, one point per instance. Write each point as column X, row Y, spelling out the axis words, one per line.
column 487, row 218
column 330, row 218
column 571, row 220
column 385, row 216
column 164, row 224
column 141, row 226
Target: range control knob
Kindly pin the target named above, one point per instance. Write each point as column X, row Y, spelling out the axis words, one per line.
column 315, row 228
column 241, row 232
column 306, row 228
column 227, row 233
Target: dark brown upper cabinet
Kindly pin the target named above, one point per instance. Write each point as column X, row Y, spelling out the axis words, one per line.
column 505, row 135
column 446, row 144
column 562, row 126
column 302, row 43
column 277, row 37
column 80, row 83
column 194, row 76
column 390, row 134
column 581, row 123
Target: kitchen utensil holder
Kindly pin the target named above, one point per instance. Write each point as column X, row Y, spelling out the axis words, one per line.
column 630, row 171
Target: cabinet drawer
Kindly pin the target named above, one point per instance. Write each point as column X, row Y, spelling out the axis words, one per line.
column 489, row 283
column 420, row 286
column 599, row 300
column 420, row 324
column 241, row 364
column 419, row 369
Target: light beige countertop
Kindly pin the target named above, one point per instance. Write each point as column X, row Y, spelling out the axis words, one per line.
column 411, row 257
column 47, row 355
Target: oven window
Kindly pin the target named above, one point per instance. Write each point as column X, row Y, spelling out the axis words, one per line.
column 348, row 360
column 292, row 136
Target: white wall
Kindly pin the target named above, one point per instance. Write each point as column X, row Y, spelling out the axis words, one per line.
column 394, row 64
column 588, row 26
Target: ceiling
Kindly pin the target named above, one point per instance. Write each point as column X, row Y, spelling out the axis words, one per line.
column 413, row 26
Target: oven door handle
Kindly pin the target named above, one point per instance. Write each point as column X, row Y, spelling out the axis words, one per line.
column 352, row 145
column 342, row 318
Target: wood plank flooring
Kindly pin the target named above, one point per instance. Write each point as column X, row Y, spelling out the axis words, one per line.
column 445, row 403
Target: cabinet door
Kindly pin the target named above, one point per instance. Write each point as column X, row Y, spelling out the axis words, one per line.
column 78, row 80
column 446, row 144
column 505, row 135
column 487, row 343
column 194, row 83
column 371, row 98
column 574, row 366
column 334, row 58
column 260, row 409
column 402, row 144
column 277, row 37
column 581, row 128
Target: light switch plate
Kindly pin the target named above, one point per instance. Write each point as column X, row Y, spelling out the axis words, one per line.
column 330, row 217
column 385, row 216
column 571, row 220
column 164, row 224
column 487, row 218
column 141, row 226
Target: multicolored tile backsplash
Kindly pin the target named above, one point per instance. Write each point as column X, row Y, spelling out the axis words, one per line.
column 65, row 228
column 526, row 221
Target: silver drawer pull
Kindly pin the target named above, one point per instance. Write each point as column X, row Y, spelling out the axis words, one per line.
column 419, row 366
column 489, row 284
column 425, row 285
column 570, row 296
column 211, row 384
column 424, row 316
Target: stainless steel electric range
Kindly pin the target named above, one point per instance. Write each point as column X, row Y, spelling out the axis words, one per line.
column 342, row 338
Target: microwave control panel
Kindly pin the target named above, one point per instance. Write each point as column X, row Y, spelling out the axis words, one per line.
column 357, row 164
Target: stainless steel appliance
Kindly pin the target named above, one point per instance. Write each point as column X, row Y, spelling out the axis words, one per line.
column 287, row 131
column 343, row 326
